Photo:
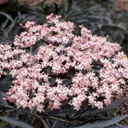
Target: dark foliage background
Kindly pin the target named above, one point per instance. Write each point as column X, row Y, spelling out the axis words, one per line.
column 98, row 15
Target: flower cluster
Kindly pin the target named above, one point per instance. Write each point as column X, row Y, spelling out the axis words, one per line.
column 63, row 67
column 36, row 2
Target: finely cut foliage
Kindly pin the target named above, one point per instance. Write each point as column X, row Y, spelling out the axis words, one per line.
column 96, row 70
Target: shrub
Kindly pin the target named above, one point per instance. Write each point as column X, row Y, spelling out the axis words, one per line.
column 51, row 66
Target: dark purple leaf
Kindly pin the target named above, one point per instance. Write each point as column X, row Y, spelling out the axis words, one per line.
column 103, row 123
column 16, row 122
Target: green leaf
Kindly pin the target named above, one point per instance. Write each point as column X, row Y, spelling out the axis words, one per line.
column 103, row 123
column 16, row 122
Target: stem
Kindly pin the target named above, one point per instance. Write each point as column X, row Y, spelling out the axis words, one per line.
column 31, row 49
column 54, row 124
column 60, row 119
column 56, row 9
column 66, row 7
column 41, row 119
column 70, row 4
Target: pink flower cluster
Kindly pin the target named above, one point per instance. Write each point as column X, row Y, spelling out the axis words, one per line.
column 96, row 70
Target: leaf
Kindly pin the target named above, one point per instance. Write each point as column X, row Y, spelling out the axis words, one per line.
column 52, row 81
column 3, row 25
column 6, row 15
column 4, row 103
column 118, row 126
column 122, row 126
column 1, row 100
column 67, row 82
column 104, row 123
column 113, row 105
column 16, row 122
